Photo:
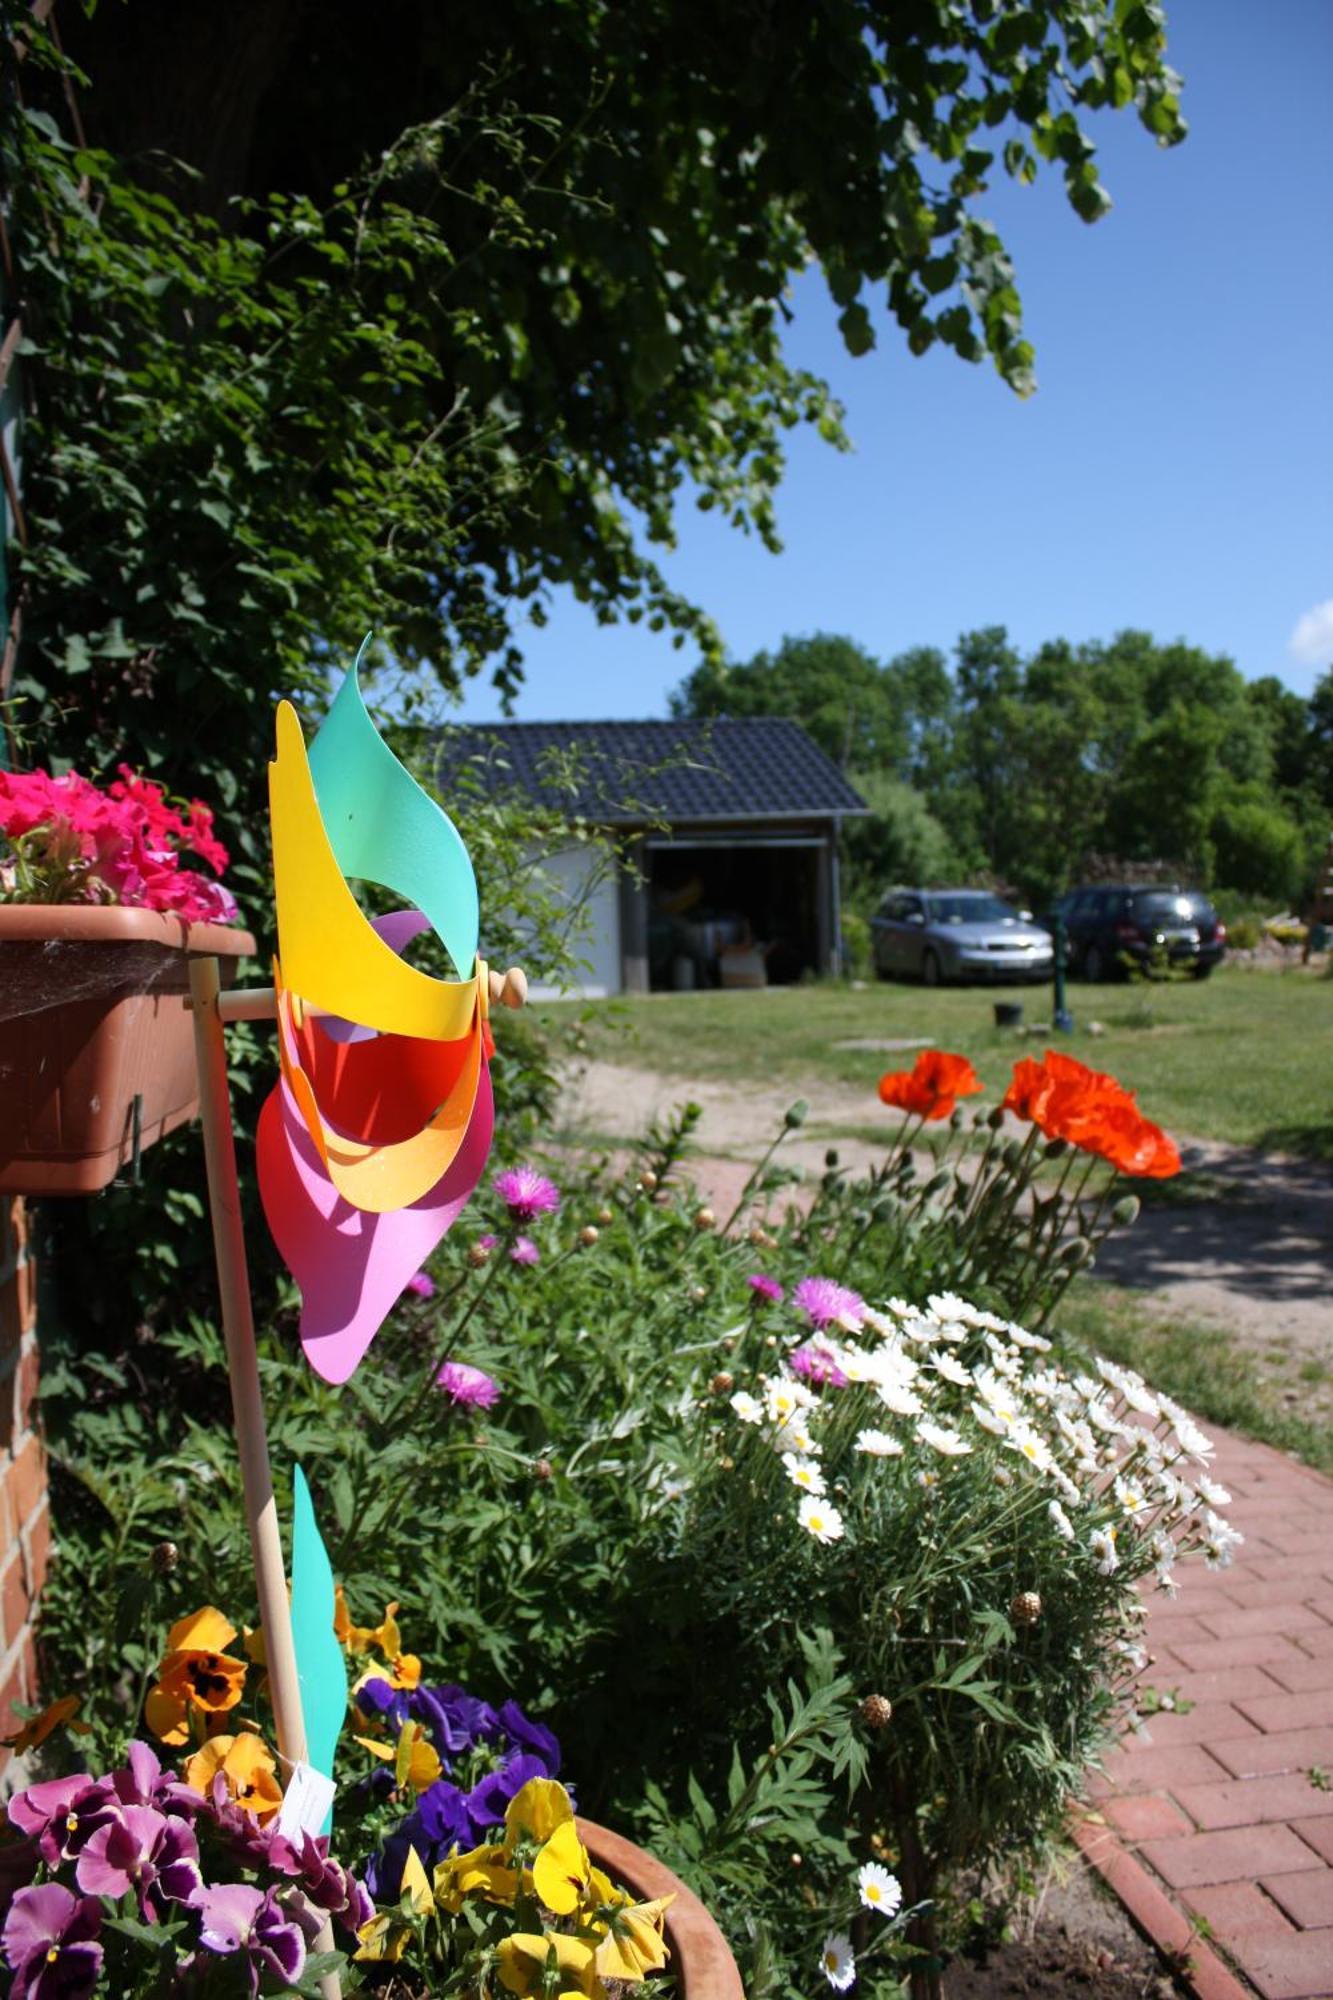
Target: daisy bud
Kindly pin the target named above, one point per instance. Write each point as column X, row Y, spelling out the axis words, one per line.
column 876, row 1711
column 1003, row 1476
column 648, row 1180
column 605, row 1216
column 704, row 1218
column 165, row 1558
column 588, row 1236
column 1076, row 1253
column 727, row 1464
column 722, row 1384
column 662, row 1199
column 478, row 1256
column 1025, row 1609
column 698, row 1293
column 542, row 1469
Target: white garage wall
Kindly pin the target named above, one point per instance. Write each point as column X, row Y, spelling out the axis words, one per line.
column 570, row 873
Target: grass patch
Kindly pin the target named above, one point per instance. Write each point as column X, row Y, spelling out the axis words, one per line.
column 1209, row 1370
column 1225, row 1058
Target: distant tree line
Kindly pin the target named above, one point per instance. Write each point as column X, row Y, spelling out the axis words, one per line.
column 1075, row 763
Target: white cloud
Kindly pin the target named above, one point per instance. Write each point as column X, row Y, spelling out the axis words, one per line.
column 1312, row 641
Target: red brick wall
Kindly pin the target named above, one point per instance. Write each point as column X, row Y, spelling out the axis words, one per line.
column 25, row 1520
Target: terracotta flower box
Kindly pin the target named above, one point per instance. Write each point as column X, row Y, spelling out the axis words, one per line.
column 701, row 1962
column 96, row 1037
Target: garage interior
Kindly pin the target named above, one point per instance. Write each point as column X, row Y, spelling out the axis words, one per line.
column 723, row 914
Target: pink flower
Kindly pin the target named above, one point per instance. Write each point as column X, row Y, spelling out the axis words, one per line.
column 816, row 1363
column 50, row 1942
column 524, row 1251
column 463, row 1383
column 766, row 1288
column 826, row 1303
column 526, row 1193
column 422, row 1284
column 145, row 1851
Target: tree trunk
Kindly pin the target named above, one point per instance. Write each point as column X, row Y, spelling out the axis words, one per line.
column 918, row 1886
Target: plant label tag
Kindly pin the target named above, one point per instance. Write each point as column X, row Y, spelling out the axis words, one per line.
column 307, row 1802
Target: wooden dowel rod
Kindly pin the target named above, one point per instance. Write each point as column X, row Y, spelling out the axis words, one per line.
column 238, row 1329
column 259, row 1003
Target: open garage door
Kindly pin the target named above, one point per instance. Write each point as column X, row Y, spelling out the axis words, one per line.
column 733, row 913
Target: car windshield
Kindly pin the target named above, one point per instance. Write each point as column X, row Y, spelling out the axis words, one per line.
column 970, row 909
column 1164, row 906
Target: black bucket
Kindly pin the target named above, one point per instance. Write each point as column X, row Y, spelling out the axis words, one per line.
column 1008, row 1013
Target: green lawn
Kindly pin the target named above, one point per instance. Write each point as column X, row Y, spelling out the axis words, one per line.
column 1246, row 1056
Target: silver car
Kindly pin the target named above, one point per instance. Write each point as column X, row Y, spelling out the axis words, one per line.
column 939, row 934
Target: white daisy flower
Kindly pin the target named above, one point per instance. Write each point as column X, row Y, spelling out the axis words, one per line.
column 796, row 1437
column 948, row 1443
column 1209, row 1490
column 896, row 1396
column 1101, row 1543
column 1020, row 1337
column 1067, row 1486
column 879, row 1890
column 949, row 1366
column 820, row 1519
column 838, row 1961
column 989, row 1419
column 1192, row 1440
column 878, row 1444
column 1131, row 1496
column 784, row 1396
column 803, row 1472
column 927, row 1479
column 1061, row 1522
column 1029, row 1444
column 747, row 1407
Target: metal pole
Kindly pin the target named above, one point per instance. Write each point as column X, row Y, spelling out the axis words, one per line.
column 1061, row 1017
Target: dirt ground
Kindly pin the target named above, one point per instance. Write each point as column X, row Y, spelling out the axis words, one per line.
column 1242, row 1241
column 1081, row 1942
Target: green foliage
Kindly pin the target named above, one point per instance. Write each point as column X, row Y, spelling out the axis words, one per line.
column 901, row 842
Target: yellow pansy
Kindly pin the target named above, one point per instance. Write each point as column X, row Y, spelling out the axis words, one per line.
column 536, row 1811
column 416, row 1890
column 404, row 1668
column 414, row 1759
column 481, row 1871
column 560, row 1872
column 383, row 1939
column 634, row 1945
column 38, row 1727
column 247, row 1764
column 522, row 1961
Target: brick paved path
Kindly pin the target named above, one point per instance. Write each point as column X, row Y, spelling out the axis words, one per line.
column 1219, row 1810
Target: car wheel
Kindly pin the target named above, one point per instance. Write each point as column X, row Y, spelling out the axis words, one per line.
column 1094, row 963
column 930, row 969
column 1202, row 971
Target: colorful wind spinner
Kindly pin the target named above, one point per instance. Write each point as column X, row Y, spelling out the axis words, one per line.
column 380, row 1124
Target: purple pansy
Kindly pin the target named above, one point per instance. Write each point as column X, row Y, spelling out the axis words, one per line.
column 63, row 1813
column 827, row 1303
column 145, row 1851
column 765, row 1288
column 816, row 1362
column 526, row 1193
column 462, row 1383
column 50, row 1942
column 236, row 1917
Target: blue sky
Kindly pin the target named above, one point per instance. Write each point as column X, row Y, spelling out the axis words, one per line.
column 1173, row 472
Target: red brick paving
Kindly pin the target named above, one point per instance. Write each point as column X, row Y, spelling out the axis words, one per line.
column 1221, row 1818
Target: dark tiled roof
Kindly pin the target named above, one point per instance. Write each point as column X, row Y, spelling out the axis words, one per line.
column 627, row 773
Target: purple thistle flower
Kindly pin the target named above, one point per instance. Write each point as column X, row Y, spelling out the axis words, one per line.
column 463, row 1383
column 487, row 1242
column 236, row 1917
column 422, row 1284
column 816, row 1363
column 526, row 1193
column 145, row 1851
column 523, row 1251
column 765, row 1288
column 50, row 1942
column 826, row 1303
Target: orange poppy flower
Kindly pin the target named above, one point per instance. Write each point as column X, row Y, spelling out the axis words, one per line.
column 932, row 1087
column 197, row 1680
column 1067, row 1100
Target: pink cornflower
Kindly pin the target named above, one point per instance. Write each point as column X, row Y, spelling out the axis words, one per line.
column 523, row 1251
column 826, row 1303
column 815, row 1362
column 422, row 1284
column 526, row 1193
column 765, row 1288
column 462, row 1383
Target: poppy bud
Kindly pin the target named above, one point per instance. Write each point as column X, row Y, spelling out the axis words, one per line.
column 588, row 1236
column 722, row 1383
column 1076, row 1253
column 704, row 1218
column 1025, row 1609
column 876, row 1711
column 796, row 1114
column 542, row 1469
column 647, row 1180
column 165, row 1558
column 995, row 1117
column 1055, row 1149
column 831, row 1158
column 1126, row 1211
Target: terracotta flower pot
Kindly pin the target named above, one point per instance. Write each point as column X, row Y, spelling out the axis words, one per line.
column 701, row 1959
column 96, row 1038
